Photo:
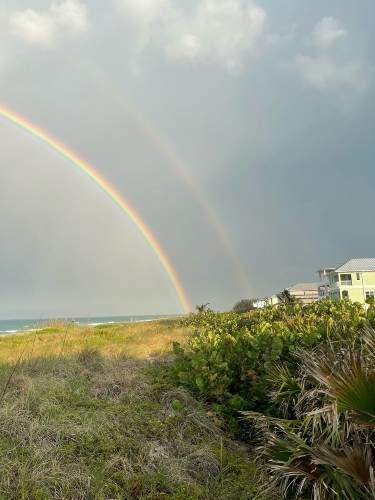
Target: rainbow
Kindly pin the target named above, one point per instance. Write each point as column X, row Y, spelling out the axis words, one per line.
column 155, row 137
column 116, row 197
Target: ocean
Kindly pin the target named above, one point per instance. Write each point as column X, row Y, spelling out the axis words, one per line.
column 21, row 325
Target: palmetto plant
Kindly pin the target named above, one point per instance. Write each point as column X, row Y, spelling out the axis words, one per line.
column 320, row 445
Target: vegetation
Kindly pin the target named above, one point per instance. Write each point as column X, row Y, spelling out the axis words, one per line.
column 203, row 308
column 244, row 305
column 305, row 376
column 88, row 413
column 229, row 356
column 105, row 412
column 137, row 340
column 285, row 297
column 324, row 443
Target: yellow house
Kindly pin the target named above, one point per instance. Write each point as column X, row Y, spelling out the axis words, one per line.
column 354, row 280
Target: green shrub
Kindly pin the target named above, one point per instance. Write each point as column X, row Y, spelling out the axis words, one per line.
column 230, row 355
column 323, row 446
column 244, row 305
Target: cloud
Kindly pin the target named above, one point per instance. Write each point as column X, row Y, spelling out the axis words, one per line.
column 324, row 73
column 148, row 18
column 327, row 32
column 223, row 32
column 67, row 19
column 145, row 11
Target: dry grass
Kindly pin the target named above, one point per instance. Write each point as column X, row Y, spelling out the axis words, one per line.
column 139, row 340
column 89, row 413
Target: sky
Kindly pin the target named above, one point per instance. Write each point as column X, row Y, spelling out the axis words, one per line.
column 241, row 131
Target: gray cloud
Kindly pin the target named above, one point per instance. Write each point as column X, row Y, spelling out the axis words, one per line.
column 328, row 32
column 276, row 159
column 66, row 19
column 329, row 70
column 225, row 32
column 324, row 73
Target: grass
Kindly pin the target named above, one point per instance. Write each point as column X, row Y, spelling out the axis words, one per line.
column 139, row 340
column 88, row 414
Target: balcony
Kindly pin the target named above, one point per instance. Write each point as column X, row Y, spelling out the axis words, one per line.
column 346, row 282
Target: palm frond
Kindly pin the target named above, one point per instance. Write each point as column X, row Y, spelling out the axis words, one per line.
column 325, row 449
column 354, row 461
column 351, row 384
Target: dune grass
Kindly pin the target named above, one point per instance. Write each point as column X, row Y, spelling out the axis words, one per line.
column 86, row 413
column 139, row 340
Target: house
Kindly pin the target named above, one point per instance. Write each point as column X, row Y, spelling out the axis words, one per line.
column 306, row 293
column 324, row 275
column 273, row 300
column 354, row 280
column 260, row 303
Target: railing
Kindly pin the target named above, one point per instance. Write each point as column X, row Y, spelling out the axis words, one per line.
column 346, row 282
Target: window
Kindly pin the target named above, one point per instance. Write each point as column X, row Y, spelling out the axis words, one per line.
column 346, row 279
column 345, row 294
column 370, row 294
column 358, row 276
column 333, row 278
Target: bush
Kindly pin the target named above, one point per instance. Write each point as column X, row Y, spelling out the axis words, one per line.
column 230, row 355
column 323, row 447
column 244, row 305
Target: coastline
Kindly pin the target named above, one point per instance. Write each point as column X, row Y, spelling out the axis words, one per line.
column 79, row 322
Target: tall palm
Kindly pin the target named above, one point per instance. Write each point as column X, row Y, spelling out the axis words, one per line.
column 202, row 308
column 285, row 297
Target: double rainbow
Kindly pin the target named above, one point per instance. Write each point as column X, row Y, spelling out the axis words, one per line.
column 116, row 197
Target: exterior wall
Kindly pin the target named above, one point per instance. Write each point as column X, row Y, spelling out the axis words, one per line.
column 355, row 294
column 369, row 279
column 306, row 297
column 273, row 300
column 259, row 304
column 358, row 288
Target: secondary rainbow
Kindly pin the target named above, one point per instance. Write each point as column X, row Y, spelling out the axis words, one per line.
column 86, row 167
column 155, row 137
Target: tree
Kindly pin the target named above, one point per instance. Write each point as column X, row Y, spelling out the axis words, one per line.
column 244, row 305
column 370, row 301
column 285, row 297
column 202, row 308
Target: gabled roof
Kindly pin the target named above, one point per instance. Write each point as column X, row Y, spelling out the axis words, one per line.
column 357, row 265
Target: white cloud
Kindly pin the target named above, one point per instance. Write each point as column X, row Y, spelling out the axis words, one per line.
column 224, row 32
column 221, row 31
column 327, row 32
column 32, row 27
column 70, row 15
column 68, row 18
column 325, row 73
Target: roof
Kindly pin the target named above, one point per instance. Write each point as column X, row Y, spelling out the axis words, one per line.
column 357, row 265
column 304, row 286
